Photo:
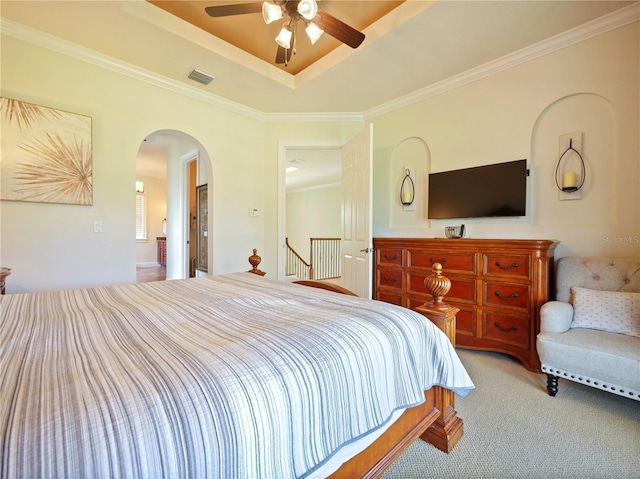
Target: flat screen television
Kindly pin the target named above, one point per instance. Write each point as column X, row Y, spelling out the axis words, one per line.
column 483, row 191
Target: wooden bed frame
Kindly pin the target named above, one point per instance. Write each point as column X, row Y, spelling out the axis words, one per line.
column 435, row 421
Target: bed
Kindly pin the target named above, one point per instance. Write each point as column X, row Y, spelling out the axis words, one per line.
column 228, row 376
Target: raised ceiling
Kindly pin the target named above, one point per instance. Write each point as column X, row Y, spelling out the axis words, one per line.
column 417, row 45
column 250, row 33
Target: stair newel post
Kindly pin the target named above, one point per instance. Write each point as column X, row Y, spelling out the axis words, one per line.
column 447, row 430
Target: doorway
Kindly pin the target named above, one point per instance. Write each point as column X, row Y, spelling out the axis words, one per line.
column 177, row 153
column 357, row 162
column 285, row 150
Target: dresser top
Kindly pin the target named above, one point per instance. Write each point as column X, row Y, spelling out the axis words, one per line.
column 482, row 243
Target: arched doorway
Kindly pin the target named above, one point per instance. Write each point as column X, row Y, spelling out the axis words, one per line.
column 185, row 165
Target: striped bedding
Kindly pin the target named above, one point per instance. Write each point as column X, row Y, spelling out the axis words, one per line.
column 229, row 376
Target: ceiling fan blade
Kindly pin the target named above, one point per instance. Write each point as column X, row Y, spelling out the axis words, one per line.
column 234, row 9
column 338, row 29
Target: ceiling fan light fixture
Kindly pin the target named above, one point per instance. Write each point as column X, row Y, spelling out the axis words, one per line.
column 271, row 12
column 308, row 9
column 313, row 32
column 284, row 38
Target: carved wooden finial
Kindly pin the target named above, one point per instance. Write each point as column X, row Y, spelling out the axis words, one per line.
column 255, row 260
column 438, row 286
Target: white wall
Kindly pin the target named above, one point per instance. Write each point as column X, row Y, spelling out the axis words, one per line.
column 590, row 87
column 313, row 213
column 53, row 246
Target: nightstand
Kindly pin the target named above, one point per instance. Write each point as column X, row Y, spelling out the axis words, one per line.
column 4, row 272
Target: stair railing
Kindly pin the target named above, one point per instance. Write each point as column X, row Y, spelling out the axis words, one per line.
column 325, row 258
column 324, row 263
column 296, row 265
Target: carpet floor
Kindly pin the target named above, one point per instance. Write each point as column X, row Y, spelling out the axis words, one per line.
column 514, row 429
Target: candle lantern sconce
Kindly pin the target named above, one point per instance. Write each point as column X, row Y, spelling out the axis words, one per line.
column 566, row 179
column 407, row 189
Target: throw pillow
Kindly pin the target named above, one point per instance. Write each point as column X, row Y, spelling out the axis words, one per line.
column 611, row 311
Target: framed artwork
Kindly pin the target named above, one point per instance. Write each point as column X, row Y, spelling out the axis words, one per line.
column 45, row 154
column 202, row 218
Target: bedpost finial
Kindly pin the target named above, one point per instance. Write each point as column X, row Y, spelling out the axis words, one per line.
column 438, row 286
column 255, row 260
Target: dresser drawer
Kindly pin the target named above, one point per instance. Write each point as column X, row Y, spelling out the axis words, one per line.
column 389, row 256
column 463, row 288
column 466, row 322
column 451, row 262
column 389, row 278
column 506, row 295
column 506, row 329
column 506, row 265
column 389, row 297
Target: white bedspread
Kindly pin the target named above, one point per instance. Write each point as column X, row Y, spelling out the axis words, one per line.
column 220, row 377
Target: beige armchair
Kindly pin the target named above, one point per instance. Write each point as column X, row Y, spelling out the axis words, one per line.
column 591, row 333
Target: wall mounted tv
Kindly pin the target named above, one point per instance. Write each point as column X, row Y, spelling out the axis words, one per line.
column 483, row 191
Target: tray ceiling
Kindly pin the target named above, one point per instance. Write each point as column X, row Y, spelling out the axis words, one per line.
column 251, row 34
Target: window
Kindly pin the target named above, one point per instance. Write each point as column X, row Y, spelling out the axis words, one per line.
column 141, row 217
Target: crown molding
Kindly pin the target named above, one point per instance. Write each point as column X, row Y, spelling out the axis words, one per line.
column 37, row 37
column 313, row 117
column 596, row 27
column 578, row 34
column 50, row 42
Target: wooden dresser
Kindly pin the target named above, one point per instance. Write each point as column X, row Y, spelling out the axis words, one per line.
column 162, row 250
column 499, row 286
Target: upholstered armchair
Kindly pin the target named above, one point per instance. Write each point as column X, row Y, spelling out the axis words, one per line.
column 591, row 332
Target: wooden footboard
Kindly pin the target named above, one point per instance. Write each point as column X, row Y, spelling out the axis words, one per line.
column 375, row 459
column 326, row 286
column 435, row 421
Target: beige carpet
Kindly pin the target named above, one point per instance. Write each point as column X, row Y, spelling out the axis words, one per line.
column 514, row 429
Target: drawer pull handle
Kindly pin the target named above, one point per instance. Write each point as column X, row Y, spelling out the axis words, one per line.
column 390, row 280
column 506, row 298
column 505, row 330
column 443, row 260
column 391, row 258
column 507, row 268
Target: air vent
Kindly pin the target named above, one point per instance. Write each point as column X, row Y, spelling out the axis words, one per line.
column 200, row 76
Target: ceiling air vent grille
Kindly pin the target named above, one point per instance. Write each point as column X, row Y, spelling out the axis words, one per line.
column 200, row 76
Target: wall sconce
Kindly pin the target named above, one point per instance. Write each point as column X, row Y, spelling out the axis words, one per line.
column 407, row 189
column 566, row 178
column 164, row 227
column 139, row 187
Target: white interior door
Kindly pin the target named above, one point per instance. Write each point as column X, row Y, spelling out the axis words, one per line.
column 357, row 241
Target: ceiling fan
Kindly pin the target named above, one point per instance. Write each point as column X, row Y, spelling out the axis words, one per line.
column 316, row 22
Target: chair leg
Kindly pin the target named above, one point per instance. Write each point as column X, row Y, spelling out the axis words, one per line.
column 552, row 384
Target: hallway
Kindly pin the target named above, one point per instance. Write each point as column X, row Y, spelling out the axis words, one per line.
column 150, row 273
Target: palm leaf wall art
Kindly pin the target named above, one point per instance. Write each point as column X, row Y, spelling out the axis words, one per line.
column 45, row 154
